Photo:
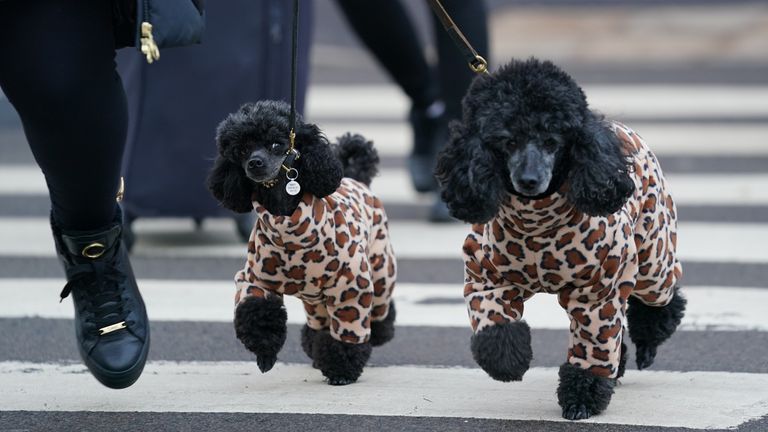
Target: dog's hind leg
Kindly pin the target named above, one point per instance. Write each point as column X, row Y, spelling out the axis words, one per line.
column 260, row 324
column 623, row 356
column 383, row 269
column 651, row 322
column 382, row 331
column 317, row 322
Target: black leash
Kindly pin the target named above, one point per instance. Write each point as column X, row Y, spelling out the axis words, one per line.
column 476, row 62
column 294, row 73
column 291, row 173
column 292, row 187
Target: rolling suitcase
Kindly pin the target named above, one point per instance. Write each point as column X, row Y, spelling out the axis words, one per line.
column 176, row 103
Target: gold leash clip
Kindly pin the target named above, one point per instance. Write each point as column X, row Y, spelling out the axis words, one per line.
column 480, row 65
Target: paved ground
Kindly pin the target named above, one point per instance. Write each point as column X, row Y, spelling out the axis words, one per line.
column 691, row 76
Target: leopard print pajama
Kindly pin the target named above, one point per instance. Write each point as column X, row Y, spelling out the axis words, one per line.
column 333, row 253
column 593, row 264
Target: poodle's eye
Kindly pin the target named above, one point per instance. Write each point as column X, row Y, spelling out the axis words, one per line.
column 275, row 147
column 550, row 143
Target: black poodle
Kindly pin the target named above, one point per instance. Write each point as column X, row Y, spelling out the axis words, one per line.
column 320, row 235
column 564, row 202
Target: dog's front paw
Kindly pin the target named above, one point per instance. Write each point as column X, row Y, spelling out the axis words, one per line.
column 340, row 362
column 260, row 324
column 503, row 351
column 576, row 412
column 645, row 355
column 265, row 362
column 582, row 394
column 340, row 381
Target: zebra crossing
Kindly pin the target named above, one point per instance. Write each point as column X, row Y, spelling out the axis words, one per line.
column 712, row 375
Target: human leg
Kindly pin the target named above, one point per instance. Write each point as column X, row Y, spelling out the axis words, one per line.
column 386, row 29
column 61, row 79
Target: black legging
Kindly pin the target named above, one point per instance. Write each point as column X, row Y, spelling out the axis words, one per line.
column 386, row 29
column 58, row 71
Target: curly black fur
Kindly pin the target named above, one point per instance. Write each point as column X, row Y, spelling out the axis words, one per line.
column 307, row 339
column 581, row 394
column 383, row 331
column 340, row 362
column 503, row 351
column 308, row 336
column 650, row 326
column 260, row 326
column 599, row 181
column 623, row 357
column 530, row 103
column 320, row 168
column 472, row 180
column 230, row 186
column 359, row 159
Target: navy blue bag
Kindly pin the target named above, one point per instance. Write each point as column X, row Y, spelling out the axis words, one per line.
column 154, row 24
column 175, row 104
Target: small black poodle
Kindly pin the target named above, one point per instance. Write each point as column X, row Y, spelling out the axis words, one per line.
column 563, row 202
column 321, row 235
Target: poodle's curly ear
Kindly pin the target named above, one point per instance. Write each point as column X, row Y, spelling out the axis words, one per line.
column 599, row 179
column 320, row 171
column 230, row 186
column 471, row 177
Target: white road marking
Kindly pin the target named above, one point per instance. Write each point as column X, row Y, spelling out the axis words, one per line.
column 674, row 399
column 434, row 305
column 711, row 139
column 721, row 242
column 393, row 185
column 22, row 180
column 387, row 101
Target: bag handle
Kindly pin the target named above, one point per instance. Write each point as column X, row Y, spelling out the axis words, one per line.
column 476, row 62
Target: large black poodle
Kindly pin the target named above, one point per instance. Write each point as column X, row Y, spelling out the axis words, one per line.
column 563, row 202
column 321, row 235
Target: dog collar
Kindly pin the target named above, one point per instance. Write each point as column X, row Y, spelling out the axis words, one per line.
column 291, row 156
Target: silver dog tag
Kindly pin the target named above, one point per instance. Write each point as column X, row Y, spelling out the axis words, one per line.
column 292, row 187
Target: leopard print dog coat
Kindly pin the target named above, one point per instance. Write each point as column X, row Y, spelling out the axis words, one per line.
column 593, row 264
column 333, row 253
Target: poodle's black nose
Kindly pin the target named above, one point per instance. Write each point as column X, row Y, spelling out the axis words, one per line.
column 528, row 182
column 255, row 162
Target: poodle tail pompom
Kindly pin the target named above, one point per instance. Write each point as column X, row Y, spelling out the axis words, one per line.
column 358, row 157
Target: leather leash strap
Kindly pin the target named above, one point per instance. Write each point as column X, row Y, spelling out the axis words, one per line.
column 476, row 62
column 292, row 154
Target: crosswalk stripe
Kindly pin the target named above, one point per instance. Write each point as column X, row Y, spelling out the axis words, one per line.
column 672, row 399
column 410, row 270
column 434, row 305
column 394, row 186
column 350, row 101
column 700, row 139
column 22, row 180
column 726, row 242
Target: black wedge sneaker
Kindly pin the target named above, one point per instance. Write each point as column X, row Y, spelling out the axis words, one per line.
column 111, row 323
